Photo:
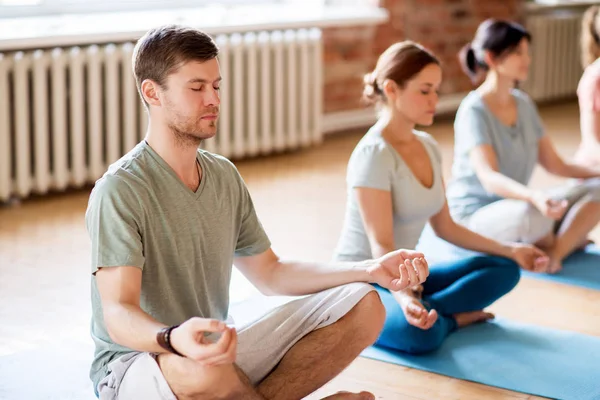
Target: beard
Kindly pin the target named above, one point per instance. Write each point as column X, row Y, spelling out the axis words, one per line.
column 191, row 131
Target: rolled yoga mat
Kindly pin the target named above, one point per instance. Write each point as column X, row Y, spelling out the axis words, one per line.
column 514, row 356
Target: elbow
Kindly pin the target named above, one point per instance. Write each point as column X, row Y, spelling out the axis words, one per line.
column 488, row 184
column 561, row 169
column 553, row 169
column 114, row 336
column 267, row 290
column 266, row 286
column 492, row 181
column 270, row 285
column 444, row 227
column 443, row 231
column 111, row 324
column 115, row 317
column 556, row 167
column 487, row 177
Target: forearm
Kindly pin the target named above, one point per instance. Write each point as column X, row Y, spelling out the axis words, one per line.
column 299, row 278
column 129, row 326
column 577, row 170
column 465, row 238
column 380, row 249
column 503, row 186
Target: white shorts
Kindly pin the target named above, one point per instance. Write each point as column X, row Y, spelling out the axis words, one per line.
column 267, row 329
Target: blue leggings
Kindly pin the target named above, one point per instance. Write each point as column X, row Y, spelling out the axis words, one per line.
column 460, row 286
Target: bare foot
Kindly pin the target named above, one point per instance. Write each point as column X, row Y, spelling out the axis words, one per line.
column 350, row 396
column 554, row 266
column 469, row 318
column 555, row 263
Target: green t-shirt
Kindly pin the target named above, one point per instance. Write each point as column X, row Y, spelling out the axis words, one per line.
column 141, row 214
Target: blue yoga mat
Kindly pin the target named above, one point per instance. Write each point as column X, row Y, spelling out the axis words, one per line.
column 580, row 269
column 518, row 357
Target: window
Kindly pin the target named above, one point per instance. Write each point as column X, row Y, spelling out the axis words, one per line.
column 31, row 8
column 23, row 8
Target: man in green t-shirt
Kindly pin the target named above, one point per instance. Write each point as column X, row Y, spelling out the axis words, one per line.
column 167, row 222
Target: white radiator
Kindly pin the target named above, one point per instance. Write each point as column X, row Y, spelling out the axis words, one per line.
column 67, row 113
column 555, row 66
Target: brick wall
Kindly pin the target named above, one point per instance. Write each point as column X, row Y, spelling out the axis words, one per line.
column 443, row 26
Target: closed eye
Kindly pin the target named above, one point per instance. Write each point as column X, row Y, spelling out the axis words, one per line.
column 202, row 88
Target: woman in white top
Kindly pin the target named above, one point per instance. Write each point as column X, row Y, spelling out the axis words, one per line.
column 395, row 186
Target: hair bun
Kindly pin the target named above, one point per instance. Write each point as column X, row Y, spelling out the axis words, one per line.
column 371, row 92
column 468, row 62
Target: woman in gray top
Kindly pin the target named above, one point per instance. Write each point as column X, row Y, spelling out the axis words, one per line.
column 395, row 186
column 499, row 139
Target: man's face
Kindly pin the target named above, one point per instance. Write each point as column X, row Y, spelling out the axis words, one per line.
column 191, row 99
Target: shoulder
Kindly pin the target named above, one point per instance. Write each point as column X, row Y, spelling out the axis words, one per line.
column 472, row 101
column 124, row 179
column 217, row 163
column 222, row 171
column 371, row 148
column 129, row 173
column 111, row 185
column 116, row 195
column 472, row 106
column 220, row 167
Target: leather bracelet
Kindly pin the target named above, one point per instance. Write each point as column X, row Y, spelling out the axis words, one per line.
column 163, row 337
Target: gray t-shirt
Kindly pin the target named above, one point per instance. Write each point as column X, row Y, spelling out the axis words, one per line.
column 141, row 214
column 376, row 164
column 516, row 148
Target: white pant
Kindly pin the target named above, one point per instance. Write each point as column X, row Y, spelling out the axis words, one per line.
column 268, row 328
column 519, row 221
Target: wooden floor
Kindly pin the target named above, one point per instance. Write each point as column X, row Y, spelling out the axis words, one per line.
column 300, row 198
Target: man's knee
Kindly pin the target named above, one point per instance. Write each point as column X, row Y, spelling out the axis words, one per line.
column 366, row 318
column 190, row 379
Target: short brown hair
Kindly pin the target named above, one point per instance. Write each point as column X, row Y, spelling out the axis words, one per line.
column 400, row 63
column 162, row 50
column 590, row 36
